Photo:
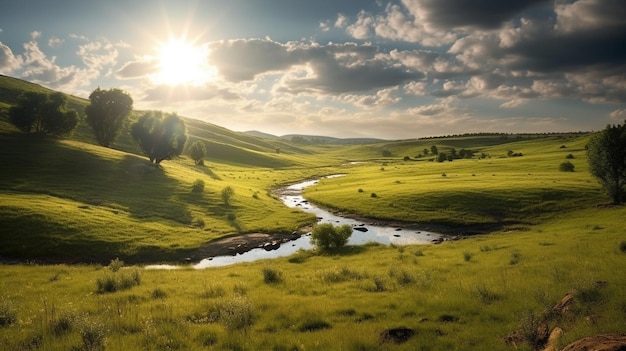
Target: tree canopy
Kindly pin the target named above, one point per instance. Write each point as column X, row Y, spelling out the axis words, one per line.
column 197, row 151
column 160, row 136
column 606, row 155
column 44, row 114
column 107, row 111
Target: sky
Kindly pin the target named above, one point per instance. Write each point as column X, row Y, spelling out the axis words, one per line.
column 398, row 69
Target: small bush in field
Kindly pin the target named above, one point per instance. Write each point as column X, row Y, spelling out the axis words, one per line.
column 198, row 186
column 566, row 167
column 93, row 336
column 236, row 313
column 326, row 235
column 116, row 265
column 118, row 281
column 8, row 313
column 272, row 276
column 622, row 246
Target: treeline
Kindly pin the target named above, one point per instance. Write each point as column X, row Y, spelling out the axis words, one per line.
column 509, row 135
column 160, row 136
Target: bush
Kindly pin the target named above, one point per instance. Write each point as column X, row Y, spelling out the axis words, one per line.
column 622, row 246
column 566, row 167
column 93, row 336
column 326, row 235
column 198, row 186
column 569, row 156
column 236, row 313
column 227, row 194
column 272, row 276
column 8, row 313
column 116, row 265
column 118, row 281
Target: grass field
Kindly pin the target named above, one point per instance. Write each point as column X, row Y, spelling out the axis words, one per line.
column 68, row 201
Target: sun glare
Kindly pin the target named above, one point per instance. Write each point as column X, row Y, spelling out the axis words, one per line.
column 181, row 62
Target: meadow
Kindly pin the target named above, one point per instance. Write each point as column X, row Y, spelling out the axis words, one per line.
column 78, row 222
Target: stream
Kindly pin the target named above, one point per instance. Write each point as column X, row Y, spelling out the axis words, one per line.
column 363, row 232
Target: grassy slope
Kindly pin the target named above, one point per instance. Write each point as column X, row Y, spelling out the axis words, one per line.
column 461, row 295
column 471, row 192
column 464, row 295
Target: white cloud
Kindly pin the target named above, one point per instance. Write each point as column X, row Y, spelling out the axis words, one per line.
column 35, row 35
column 55, row 42
column 618, row 114
column 8, row 61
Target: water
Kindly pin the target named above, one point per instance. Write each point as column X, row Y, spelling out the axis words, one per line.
column 363, row 233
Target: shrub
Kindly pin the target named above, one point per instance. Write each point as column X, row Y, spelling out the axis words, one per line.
column 227, row 194
column 198, row 186
column 622, row 246
column 467, row 256
column 118, row 281
column 569, row 156
column 93, row 336
column 8, row 313
column 272, row 276
column 515, row 256
column 159, row 293
column 116, row 265
column 326, row 235
column 313, row 323
column 566, row 167
column 236, row 313
column 373, row 195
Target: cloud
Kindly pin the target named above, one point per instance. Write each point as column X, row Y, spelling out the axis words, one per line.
column 309, row 67
column 39, row 68
column 35, row 35
column 98, row 54
column 618, row 114
column 168, row 94
column 55, row 42
column 8, row 60
column 137, row 69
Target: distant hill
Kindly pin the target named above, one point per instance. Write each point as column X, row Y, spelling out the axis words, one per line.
column 318, row 139
column 263, row 135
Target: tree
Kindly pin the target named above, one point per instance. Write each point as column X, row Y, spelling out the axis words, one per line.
column 606, row 155
column 227, row 194
column 106, row 112
column 197, row 151
column 326, row 235
column 43, row 114
column 160, row 136
column 433, row 150
column 425, row 152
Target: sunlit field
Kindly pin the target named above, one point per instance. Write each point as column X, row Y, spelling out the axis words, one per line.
column 79, row 223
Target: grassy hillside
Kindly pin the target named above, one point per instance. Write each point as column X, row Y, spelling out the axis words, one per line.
column 69, row 200
column 472, row 294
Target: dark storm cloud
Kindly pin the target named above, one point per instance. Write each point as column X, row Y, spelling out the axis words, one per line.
column 473, row 13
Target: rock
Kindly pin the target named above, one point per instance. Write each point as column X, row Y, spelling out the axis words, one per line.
column 553, row 340
column 564, row 305
column 361, row 229
column 606, row 342
column 396, row 335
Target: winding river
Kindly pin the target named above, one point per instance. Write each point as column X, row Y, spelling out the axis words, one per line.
column 363, row 233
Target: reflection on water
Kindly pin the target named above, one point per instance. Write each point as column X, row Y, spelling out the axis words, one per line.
column 363, row 233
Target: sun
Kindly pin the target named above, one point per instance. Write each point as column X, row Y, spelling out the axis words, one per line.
column 180, row 62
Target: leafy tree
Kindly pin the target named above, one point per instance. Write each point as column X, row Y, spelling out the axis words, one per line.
column 197, row 151
column 425, row 152
column 107, row 111
column 606, row 154
column 43, row 114
column 227, row 194
column 442, row 157
column 160, row 136
column 434, row 150
column 326, row 235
